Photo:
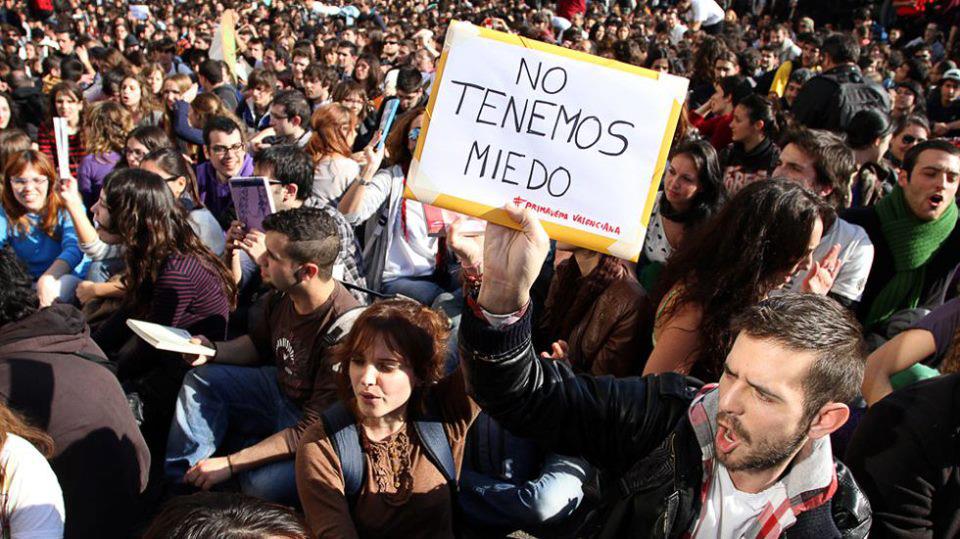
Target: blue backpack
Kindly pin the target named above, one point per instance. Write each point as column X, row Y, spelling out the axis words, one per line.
column 341, row 428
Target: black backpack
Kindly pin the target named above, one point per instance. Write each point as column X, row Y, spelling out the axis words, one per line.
column 853, row 95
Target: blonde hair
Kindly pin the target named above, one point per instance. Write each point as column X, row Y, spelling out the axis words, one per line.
column 106, row 126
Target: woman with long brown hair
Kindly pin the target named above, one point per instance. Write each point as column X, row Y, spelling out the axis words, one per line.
column 730, row 264
column 334, row 127
column 105, row 131
column 171, row 279
column 139, row 101
column 31, row 501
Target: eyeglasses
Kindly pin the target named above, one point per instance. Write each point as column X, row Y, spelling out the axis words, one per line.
column 279, row 117
column 224, row 150
column 134, row 153
column 910, row 139
column 414, row 133
column 388, row 42
column 172, row 178
column 21, row 183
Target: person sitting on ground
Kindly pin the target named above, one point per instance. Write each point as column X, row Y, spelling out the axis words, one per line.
column 869, row 136
column 391, row 365
column 223, row 142
column 170, row 279
column 289, row 170
column 907, row 132
column 53, row 373
column 692, row 193
column 284, row 366
column 105, row 131
column 33, row 501
column 36, row 224
column 731, row 265
column 709, row 463
column 916, row 240
column 904, row 456
column 927, row 348
column 821, row 163
column 752, row 155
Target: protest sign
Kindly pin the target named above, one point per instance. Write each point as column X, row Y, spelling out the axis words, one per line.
column 580, row 139
column 223, row 47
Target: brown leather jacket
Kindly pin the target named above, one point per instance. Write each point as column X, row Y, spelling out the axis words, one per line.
column 614, row 335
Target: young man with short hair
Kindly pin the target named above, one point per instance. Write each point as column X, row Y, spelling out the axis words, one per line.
column 224, row 143
column 290, row 119
column 748, row 457
column 255, row 109
column 914, row 232
column 318, row 82
column 822, row 163
column 272, row 384
column 211, row 75
column 289, row 171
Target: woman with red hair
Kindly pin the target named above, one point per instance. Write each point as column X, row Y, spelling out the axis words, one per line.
column 334, row 128
column 38, row 227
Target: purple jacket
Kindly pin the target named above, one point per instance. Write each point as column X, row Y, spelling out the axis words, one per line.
column 91, row 172
column 215, row 195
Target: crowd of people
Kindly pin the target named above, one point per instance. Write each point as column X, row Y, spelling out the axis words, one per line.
column 781, row 361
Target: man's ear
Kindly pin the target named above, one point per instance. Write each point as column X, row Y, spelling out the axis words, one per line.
column 903, row 178
column 308, row 271
column 831, row 417
column 290, row 190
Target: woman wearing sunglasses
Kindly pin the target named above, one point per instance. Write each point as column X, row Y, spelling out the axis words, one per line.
column 400, row 256
column 908, row 131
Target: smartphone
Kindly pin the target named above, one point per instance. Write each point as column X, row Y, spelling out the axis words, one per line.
column 386, row 120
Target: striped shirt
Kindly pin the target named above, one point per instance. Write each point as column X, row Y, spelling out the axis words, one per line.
column 190, row 296
column 47, row 142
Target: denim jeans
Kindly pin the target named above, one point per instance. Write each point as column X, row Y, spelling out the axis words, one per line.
column 508, row 483
column 244, row 400
column 422, row 289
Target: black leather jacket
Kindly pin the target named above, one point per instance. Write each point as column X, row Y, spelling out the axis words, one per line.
column 633, row 429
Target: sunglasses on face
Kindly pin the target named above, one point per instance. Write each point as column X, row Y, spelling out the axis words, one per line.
column 910, row 139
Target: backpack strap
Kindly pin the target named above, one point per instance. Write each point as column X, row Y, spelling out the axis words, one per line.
column 341, row 429
column 429, row 428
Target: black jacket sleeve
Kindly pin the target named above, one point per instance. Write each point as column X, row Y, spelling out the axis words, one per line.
column 611, row 422
column 809, row 108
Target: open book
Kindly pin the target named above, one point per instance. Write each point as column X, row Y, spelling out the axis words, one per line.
column 168, row 338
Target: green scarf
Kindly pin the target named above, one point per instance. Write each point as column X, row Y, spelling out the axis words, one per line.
column 913, row 243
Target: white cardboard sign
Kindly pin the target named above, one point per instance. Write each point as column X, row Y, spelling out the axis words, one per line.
column 581, row 140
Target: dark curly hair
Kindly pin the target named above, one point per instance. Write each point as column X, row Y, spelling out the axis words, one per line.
column 736, row 259
column 415, row 332
column 225, row 515
column 17, row 298
column 154, row 227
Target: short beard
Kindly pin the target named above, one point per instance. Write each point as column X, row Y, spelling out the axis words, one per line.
column 765, row 455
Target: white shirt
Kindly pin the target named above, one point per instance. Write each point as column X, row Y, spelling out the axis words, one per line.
column 656, row 247
column 727, row 512
column 34, row 501
column 856, row 252
column 676, row 34
column 413, row 254
column 332, row 176
column 706, row 12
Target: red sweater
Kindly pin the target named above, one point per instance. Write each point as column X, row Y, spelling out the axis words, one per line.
column 716, row 129
column 47, row 142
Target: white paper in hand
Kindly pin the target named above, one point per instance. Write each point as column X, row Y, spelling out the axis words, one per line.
column 168, row 338
column 62, row 136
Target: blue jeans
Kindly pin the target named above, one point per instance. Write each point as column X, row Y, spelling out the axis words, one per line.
column 508, row 483
column 248, row 402
column 422, row 289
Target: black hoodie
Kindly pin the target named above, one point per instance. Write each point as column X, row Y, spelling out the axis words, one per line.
column 49, row 372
